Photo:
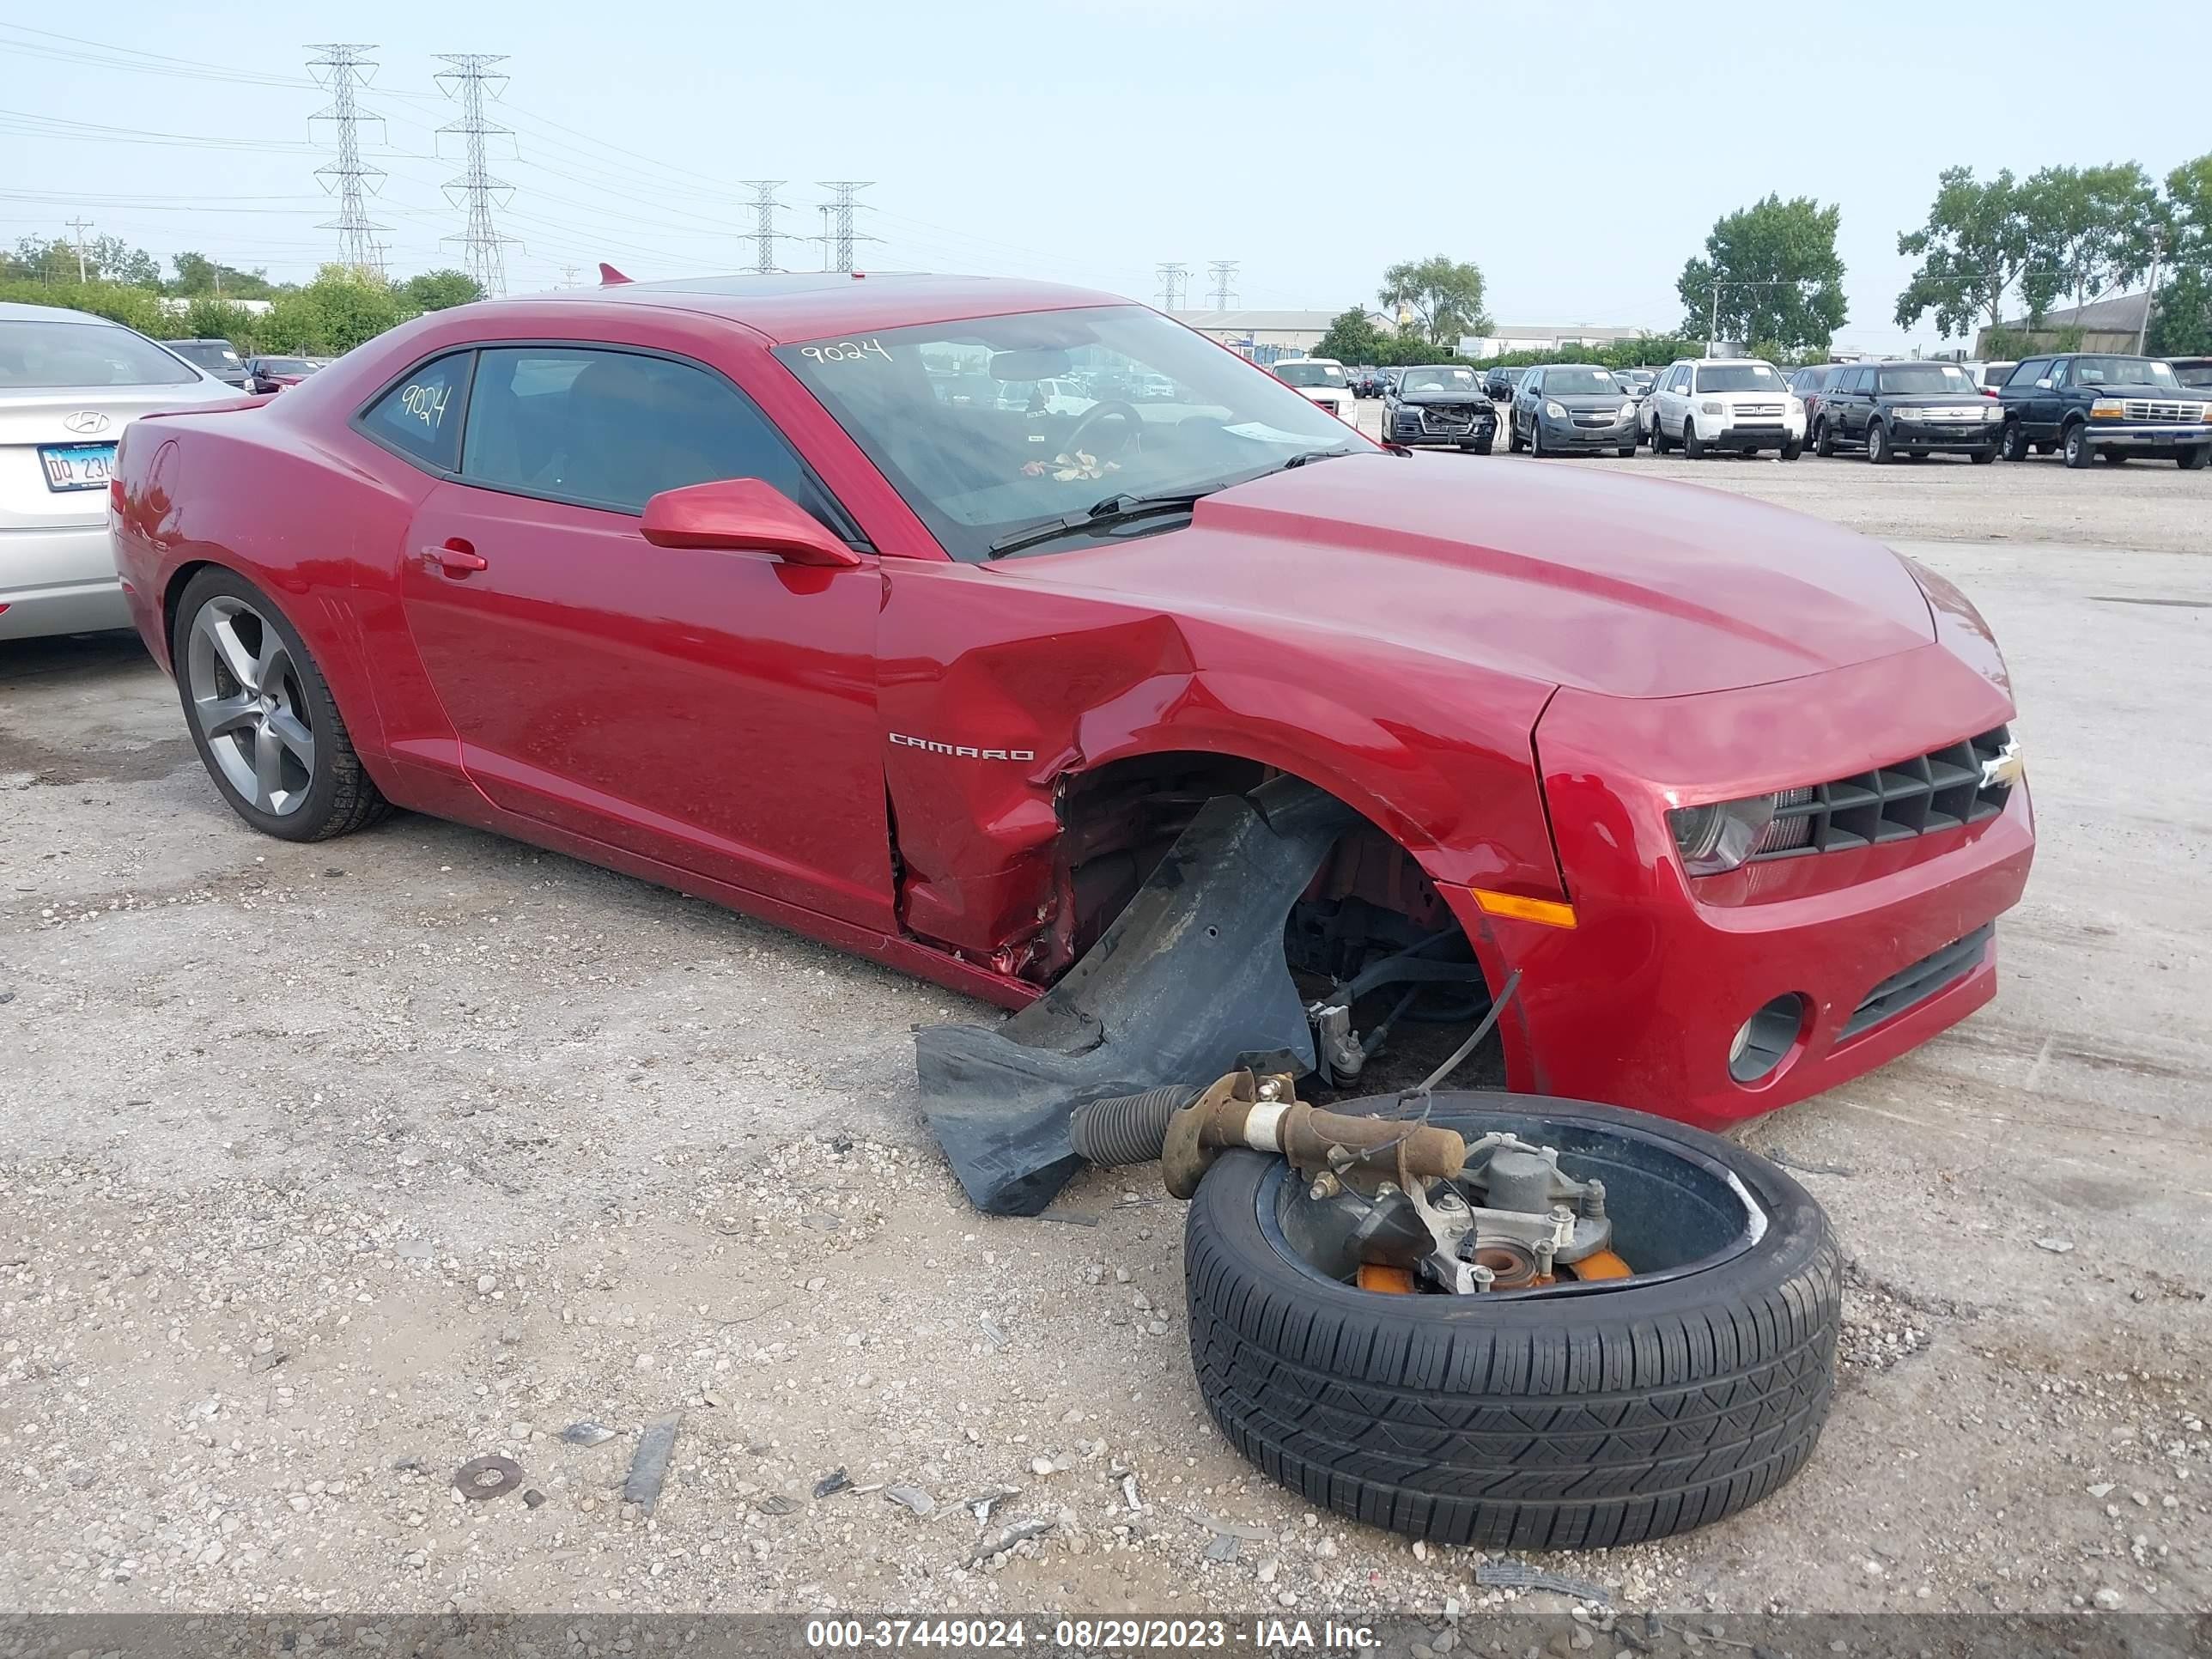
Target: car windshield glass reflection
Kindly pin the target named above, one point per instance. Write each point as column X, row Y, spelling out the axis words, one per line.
column 1089, row 405
column 1738, row 377
column 1309, row 374
column 2122, row 371
column 1438, row 380
column 1915, row 380
column 1579, row 383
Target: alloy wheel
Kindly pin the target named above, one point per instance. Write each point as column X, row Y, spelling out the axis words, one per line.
column 250, row 707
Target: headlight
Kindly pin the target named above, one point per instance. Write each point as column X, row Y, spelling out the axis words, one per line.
column 1557, row 411
column 2108, row 408
column 1709, row 409
column 1719, row 835
column 1797, row 407
column 1627, row 411
column 1993, row 411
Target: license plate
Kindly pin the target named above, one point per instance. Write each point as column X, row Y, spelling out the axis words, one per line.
column 77, row 467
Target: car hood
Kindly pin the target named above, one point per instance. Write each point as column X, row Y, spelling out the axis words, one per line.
column 1444, row 395
column 1589, row 400
column 1630, row 588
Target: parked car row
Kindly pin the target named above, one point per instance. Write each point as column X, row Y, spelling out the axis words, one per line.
column 2083, row 405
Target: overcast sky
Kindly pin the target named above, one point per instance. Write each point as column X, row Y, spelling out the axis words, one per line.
column 1578, row 153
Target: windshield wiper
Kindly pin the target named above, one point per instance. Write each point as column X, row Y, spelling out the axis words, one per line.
column 1301, row 458
column 1114, row 509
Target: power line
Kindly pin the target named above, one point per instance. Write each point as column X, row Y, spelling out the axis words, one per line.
column 1221, row 271
column 1175, row 284
column 764, row 235
column 838, row 231
column 486, row 248
column 346, row 173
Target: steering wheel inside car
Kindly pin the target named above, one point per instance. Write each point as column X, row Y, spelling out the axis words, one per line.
column 1097, row 412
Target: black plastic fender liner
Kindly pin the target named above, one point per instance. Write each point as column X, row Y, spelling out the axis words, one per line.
column 1187, row 982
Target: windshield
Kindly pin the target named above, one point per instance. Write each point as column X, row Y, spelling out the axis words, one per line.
column 1737, row 377
column 1917, row 380
column 206, row 353
column 84, row 354
column 1580, row 383
column 2122, row 371
column 1439, row 379
column 287, row 366
column 1309, row 374
column 979, row 471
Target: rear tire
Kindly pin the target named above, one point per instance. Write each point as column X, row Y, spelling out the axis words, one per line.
column 1575, row 1422
column 1658, row 435
column 2078, row 448
column 1513, row 435
column 1793, row 449
column 335, row 794
column 2111, row 458
column 1536, row 440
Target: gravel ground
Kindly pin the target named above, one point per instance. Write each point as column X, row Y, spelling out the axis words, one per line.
column 326, row 1169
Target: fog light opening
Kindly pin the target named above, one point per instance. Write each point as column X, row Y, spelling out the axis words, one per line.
column 1762, row 1042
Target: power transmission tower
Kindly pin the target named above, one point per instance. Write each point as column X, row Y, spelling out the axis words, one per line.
column 1175, row 284
column 567, row 275
column 841, row 233
column 764, row 235
column 1221, row 271
column 486, row 249
column 79, row 226
column 345, row 174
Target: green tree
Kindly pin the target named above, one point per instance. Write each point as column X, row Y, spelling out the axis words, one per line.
column 338, row 311
column 104, row 259
column 1780, row 281
column 137, row 307
column 1975, row 247
column 2089, row 229
column 1443, row 295
column 207, row 318
column 2181, row 321
column 438, row 290
column 197, row 274
column 1352, row 339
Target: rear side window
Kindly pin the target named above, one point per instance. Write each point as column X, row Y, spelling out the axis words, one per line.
column 614, row 429
column 420, row 417
column 83, row 354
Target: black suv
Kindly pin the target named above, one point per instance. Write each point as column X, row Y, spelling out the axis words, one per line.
column 2088, row 404
column 1502, row 383
column 1906, row 409
column 1440, row 405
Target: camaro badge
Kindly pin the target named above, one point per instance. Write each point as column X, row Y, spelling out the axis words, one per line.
column 960, row 750
column 2003, row 769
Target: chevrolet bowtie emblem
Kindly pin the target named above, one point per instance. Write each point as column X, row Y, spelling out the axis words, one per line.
column 2004, row 768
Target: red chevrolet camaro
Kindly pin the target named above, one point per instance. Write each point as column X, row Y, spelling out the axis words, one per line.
column 921, row 615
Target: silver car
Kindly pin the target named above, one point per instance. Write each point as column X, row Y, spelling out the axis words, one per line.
column 69, row 382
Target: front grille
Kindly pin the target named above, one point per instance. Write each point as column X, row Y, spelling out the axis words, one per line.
column 1447, row 417
column 1756, row 412
column 1600, row 418
column 2146, row 409
column 1940, row 790
column 1950, row 413
column 1937, row 971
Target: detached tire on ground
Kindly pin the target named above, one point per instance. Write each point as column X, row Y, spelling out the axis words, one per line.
column 1581, row 1417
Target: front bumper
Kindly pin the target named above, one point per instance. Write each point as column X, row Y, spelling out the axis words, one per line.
column 2156, row 439
column 1414, row 435
column 58, row 580
column 1944, row 437
column 1764, row 436
column 1567, row 435
column 1639, row 1002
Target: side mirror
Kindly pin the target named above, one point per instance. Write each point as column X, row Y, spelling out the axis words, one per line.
column 742, row 515
column 2044, row 385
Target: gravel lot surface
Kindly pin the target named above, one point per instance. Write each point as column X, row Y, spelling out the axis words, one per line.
column 326, row 1169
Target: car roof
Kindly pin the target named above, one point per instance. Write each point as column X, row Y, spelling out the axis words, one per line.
column 13, row 311
column 807, row 305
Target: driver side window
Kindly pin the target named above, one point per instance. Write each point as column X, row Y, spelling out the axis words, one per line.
column 612, row 428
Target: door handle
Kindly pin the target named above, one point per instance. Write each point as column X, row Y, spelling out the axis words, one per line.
column 455, row 557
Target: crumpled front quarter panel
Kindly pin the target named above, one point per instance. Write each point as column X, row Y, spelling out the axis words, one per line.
column 996, row 683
